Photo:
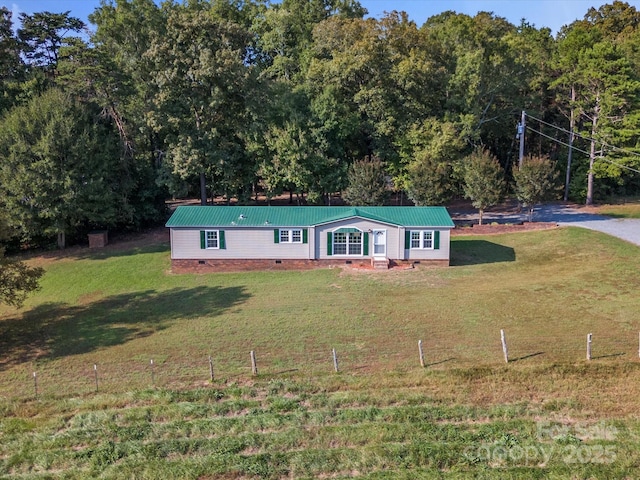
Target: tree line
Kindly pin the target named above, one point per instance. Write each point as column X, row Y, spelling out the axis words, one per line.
column 233, row 97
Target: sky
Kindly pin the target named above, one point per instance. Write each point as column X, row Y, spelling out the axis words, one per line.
column 541, row 13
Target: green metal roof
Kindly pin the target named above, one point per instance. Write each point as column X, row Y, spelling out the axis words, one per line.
column 239, row 216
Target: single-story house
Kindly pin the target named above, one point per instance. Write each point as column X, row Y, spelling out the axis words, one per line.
column 253, row 237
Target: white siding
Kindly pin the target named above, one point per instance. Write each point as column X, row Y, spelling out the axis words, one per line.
column 419, row 254
column 393, row 237
column 253, row 243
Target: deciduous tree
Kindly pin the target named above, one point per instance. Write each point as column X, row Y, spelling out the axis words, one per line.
column 535, row 180
column 367, row 183
column 484, row 181
column 59, row 168
column 202, row 87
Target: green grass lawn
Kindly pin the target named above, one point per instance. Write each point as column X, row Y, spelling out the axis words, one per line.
column 548, row 412
column 628, row 209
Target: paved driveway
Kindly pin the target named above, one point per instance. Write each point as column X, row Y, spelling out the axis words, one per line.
column 625, row 228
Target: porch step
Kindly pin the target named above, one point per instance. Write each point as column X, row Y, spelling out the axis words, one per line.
column 381, row 263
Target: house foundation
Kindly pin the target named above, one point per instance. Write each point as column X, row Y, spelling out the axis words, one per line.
column 244, row 265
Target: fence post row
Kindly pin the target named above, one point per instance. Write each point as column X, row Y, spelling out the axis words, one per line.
column 334, row 354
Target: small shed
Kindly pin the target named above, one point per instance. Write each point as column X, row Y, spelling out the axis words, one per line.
column 98, row 239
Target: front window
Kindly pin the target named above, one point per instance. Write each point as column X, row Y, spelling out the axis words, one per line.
column 291, row 236
column 422, row 239
column 212, row 239
column 347, row 243
column 355, row 243
column 339, row 243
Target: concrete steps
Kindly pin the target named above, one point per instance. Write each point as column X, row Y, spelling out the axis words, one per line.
column 380, row 263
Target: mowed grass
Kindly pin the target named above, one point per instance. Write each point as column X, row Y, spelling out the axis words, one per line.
column 629, row 209
column 548, row 413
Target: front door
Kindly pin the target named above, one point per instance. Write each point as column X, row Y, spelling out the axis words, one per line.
column 379, row 243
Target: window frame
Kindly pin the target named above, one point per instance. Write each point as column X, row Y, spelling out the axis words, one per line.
column 347, row 245
column 207, row 239
column 426, row 240
column 290, row 234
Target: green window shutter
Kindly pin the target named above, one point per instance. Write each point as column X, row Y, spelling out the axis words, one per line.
column 329, row 243
column 203, row 241
column 305, row 235
column 436, row 240
column 221, row 243
column 276, row 235
column 365, row 243
column 407, row 239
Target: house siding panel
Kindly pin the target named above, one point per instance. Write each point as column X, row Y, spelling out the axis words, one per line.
column 240, row 243
column 441, row 253
column 320, row 237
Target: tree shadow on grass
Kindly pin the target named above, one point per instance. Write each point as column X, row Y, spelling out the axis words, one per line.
column 476, row 252
column 55, row 329
column 124, row 250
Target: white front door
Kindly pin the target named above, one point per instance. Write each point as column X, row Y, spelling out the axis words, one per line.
column 379, row 243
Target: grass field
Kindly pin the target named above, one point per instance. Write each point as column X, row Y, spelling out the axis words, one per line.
column 628, row 209
column 548, row 413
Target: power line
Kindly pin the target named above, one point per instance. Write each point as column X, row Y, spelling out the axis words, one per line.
column 604, row 144
column 601, row 157
column 556, row 140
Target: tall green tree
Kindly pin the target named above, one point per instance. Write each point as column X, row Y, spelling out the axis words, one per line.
column 367, row 183
column 11, row 65
column 431, row 152
column 482, row 79
column 116, row 74
column 59, row 169
column 597, row 63
column 202, row 87
column 43, row 34
column 484, row 182
column 285, row 33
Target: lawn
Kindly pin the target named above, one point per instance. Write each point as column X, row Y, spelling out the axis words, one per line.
column 628, row 209
column 549, row 412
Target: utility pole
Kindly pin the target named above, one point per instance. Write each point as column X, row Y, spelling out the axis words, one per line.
column 521, row 130
column 572, row 123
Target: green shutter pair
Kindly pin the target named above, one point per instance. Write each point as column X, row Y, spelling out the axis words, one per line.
column 222, row 245
column 276, row 235
column 436, row 239
column 365, row 243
